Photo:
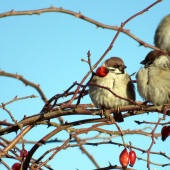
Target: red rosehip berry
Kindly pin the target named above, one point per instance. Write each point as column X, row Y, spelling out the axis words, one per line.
column 16, row 166
column 25, row 153
column 102, row 71
column 132, row 157
column 124, row 158
column 165, row 132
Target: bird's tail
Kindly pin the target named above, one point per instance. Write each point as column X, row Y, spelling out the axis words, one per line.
column 118, row 117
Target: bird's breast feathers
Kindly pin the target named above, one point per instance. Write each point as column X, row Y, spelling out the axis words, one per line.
column 102, row 97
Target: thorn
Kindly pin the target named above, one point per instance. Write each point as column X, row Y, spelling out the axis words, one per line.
column 52, row 6
column 48, row 123
column 24, row 117
column 78, row 15
column 16, row 132
column 127, row 30
column 12, row 11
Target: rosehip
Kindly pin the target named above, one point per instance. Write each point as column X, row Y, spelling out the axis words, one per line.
column 124, row 158
column 165, row 132
column 102, row 71
column 132, row 157
column 25, row 153
column 16, row 166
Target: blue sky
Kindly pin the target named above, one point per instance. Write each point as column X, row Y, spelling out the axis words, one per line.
column 47, row 49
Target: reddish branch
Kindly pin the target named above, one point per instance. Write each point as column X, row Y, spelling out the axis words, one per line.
column 87, row 153
column 81, row 110
column 26, row 82
column 78, row 15
column 15, row 140
column 152, row 123
column 2, row 162
column 153, row 142
column 15, row 99
column 43, row 140
column 93, row 84
column 119, row 144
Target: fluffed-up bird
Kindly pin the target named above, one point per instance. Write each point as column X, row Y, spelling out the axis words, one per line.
column 117, row 79
column 153, row 80
column 162, row 35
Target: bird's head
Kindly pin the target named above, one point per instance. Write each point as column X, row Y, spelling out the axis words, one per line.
column 156, row 58
column 115, row 65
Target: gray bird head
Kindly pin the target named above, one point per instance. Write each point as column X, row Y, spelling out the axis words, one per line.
column 114, row 63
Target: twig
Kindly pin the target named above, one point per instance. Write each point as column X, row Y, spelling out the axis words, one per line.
column 153, row 142
column 15, row 140
column 26, row 82
column 152, row 162
column 2, row 162
column 152, row 123
column 86, row 152
column 93, row 84
column 16, row 99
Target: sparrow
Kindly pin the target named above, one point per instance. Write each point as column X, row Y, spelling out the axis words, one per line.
column 162, row 35
column 116, row 78
column 153, row 80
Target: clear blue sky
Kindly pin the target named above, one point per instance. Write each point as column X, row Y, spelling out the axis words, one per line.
column 47, row 49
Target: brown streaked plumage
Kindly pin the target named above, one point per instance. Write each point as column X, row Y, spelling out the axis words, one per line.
column 153, row 55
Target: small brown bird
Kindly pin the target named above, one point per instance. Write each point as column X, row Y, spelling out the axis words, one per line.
column 118, row 81
column 153, row 81
column 162, row 35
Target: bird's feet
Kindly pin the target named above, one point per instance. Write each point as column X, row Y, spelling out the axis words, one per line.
column 142, row 103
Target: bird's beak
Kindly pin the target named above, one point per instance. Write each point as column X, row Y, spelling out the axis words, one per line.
column 143, row 62
column 121, row 68
column 107, row 70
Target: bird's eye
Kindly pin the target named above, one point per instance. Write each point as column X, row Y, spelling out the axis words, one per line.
column 112, row 69
column 149, row 63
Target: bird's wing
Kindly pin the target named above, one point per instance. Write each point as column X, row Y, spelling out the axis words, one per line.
column 131, row 90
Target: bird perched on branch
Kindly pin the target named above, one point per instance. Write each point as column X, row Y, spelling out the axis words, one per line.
column 112, row 75
column 153, row 81
column 162, row 35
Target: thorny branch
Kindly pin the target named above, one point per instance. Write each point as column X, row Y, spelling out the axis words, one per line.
column 78, row 15
column 26, row 82
column 66, row 108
